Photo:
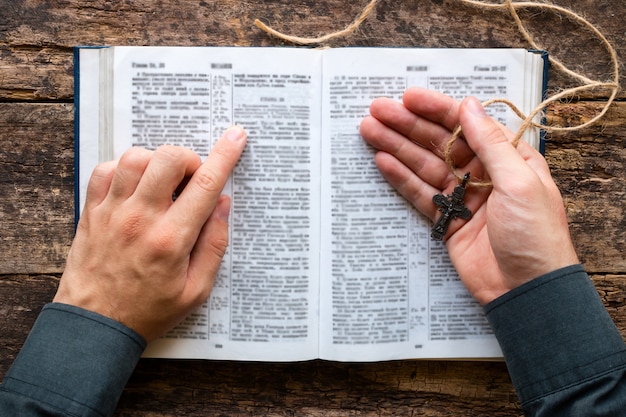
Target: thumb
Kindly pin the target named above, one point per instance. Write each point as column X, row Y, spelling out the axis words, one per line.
column 489, row 141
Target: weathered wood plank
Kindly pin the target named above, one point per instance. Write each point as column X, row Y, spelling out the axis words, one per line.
column 21, row 300
column 612, row 290
column 590, row 168
column 36, row 38
column 36, row 185
column 322, row 388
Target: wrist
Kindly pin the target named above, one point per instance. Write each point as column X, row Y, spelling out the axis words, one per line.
column 548, row 271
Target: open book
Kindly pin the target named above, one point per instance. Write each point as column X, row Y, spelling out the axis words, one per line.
column 325, row 259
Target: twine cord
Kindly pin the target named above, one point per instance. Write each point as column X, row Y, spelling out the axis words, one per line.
column 324, row 38
column 527, row 120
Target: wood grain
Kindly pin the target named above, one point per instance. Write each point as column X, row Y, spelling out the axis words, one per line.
column 36, row 185
column 36, row 38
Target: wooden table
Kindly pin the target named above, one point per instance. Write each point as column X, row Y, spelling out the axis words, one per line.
column 36, row 186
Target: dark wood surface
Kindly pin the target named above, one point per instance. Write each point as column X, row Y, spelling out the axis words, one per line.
column 36, row 186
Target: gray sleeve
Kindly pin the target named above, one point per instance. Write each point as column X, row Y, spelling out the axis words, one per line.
column 74, row 363
column 564, row 353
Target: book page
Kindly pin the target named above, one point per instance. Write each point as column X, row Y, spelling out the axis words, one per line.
column 387, row 290
column 264, row 302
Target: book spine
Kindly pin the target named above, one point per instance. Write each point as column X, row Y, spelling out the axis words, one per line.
column 76, row 135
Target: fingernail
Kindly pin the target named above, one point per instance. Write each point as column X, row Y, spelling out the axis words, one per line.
column 475, row 107
column 235, row 134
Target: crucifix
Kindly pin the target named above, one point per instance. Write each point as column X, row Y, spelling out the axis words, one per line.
column 451, row 207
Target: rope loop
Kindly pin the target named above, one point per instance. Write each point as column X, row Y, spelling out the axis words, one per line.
column 512, row 7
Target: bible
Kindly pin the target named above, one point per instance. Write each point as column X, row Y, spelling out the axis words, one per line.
column 325, row 259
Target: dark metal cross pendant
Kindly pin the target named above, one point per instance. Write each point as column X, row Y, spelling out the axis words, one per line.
column 451, row 207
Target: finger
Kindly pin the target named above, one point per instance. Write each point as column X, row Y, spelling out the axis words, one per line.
column 426, row 118
column 431, row 105
column 440, row 110
column 129, row 171
column 426, row 165
column 99, row 183
column 436, row 107
column 415, row 190
column 197, row 201
column 207, row 254
column 408, row 123
column 167, row 168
